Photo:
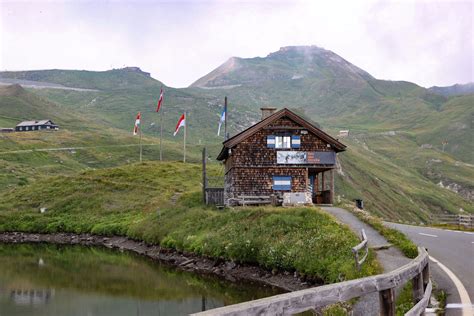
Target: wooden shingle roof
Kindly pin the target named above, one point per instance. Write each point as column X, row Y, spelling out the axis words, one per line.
column 231, row 142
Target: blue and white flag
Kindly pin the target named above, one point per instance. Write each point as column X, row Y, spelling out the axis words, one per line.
column 222, row 120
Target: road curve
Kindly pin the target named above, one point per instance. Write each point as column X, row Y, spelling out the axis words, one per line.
column 454, row 250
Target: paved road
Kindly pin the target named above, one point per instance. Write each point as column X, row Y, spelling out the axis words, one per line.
column 453, row 249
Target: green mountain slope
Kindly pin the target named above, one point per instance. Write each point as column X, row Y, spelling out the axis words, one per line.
column 457, row 89
column 389, row 122
column 399, row 180
column 453, row 123
column 129, row 77
column 329, row 88
column 84, row 140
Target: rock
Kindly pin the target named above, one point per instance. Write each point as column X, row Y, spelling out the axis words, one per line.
column 230, row 278
column 187, row 262
column 230, row 265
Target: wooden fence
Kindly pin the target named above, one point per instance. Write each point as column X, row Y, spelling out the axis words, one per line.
column 318, row 297
column 214, row 196
column 212, row 187
column 363, row 245
column 454, row 219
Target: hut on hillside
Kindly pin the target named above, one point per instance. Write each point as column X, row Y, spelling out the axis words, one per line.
column 36, row 126
column 283, row 155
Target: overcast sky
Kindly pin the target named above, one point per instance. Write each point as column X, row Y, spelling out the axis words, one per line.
column 426, row 42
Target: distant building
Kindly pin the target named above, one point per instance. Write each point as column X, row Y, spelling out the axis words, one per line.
column 343, row 133
column 6, row 130
column 36, row 126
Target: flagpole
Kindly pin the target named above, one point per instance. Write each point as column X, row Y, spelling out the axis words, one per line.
column 225, row 118
column 140, row 139
column 184, row 140
column 161, row 134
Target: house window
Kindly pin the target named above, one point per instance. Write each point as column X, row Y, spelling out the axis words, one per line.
column 282, row 141
column 281, row 183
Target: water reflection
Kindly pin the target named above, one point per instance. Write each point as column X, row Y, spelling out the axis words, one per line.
column 52, row 280
column 31, row 296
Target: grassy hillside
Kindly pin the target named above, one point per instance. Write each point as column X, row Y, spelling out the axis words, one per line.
column 84, row 141
column 453, row 122
column 115, row 79
column 314, row 82
column 118, row 109
column 16, row 104
column 160, row 203
column 398, row 180
column 457, row 89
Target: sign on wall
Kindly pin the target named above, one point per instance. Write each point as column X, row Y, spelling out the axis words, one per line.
column 291, row 157
column 303, row 157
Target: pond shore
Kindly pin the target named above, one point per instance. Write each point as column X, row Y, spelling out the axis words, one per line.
column 184, row 261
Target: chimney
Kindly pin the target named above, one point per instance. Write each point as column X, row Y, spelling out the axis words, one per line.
column 266, row 112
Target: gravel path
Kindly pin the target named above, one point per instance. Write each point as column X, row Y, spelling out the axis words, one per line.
column 390, row 259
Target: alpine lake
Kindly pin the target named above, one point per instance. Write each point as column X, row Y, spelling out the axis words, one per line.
column 52, row 280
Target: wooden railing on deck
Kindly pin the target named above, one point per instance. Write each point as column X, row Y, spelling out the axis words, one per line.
column 318, row 297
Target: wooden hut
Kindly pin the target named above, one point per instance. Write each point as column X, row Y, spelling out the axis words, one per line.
column 282, row 155
column 36, row 126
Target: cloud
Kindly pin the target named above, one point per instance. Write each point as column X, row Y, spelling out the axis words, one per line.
column 178, row 42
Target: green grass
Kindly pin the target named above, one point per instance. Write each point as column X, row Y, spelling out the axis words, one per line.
column 160, row 203
column 398, row 180
column 405, row 300
column 393, row 236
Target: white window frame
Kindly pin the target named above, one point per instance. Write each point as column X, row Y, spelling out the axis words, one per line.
column 283, row 141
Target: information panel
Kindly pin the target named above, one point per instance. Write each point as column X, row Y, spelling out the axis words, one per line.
column 303, row 157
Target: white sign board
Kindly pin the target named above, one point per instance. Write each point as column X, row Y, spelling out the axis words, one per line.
column 291, row 157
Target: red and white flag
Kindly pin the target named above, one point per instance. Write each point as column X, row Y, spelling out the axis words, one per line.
column 160, row 100
column 181, row 122
column 137, row 124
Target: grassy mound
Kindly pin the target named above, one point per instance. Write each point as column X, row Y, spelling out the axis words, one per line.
column 161, row 203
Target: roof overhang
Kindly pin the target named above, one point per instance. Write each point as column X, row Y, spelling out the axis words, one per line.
column 233, row 141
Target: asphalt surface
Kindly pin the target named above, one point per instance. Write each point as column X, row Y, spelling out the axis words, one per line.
column 453, row 249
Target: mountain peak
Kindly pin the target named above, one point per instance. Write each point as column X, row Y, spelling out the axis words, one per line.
column 229, row 66
column 287, row 64
column 299, row 49
column 134, row 69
